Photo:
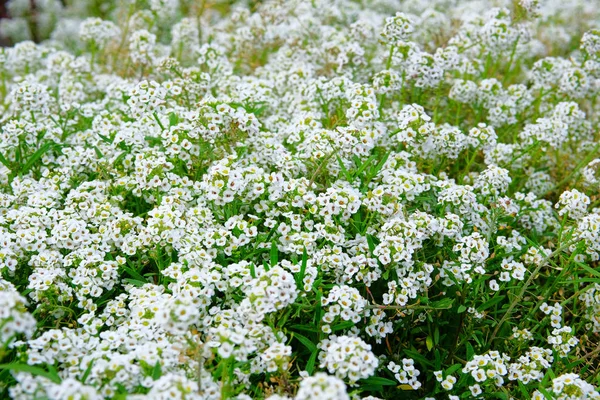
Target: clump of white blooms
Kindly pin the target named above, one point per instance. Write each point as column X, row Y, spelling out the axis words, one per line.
column 591, row 173
column 568, row 387
column 491, row 366
column 141, row 46
column 15, row 320
column 322, row 386
column 398, row 28
column 98, row 31
column 378, row 199
column 406, row 373
column 277, row 357
column 348, row 358
column 344, row 303
column 591, row 298
column 573, row 203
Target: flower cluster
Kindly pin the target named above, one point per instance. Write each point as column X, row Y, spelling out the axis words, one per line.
column 378, row 199
column 347, row 357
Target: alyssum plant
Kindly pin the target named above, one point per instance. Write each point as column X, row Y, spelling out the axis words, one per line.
column 375, row 199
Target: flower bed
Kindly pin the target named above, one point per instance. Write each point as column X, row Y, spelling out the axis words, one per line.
column 341, row 199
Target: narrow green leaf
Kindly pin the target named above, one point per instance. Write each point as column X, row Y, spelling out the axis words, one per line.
column 343, row 168
column 98, row 152
column 371, row 243
column 88, row 371
column 378, row 167
column 304, row 328
column 470, row 351
column 453, row 369
column 134, row 282
column 523, row 390
column 302, row 268
column 364, row 165
column 36, row 371
column 252, row 270
column 105, row 139
column 443, row 304
column 588, row 269
column 415, row 355
column 491, row 302
column 378, row 380
column 156, row 371
column 274, row 254
column 343, row 325
column 319, row 308
column 36, row 156
column 173, row 119
column 310, row 365
column 134, row 273
column 305, row 341
column 4, row 161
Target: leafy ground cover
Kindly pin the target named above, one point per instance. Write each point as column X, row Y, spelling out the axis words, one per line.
column 375, row 199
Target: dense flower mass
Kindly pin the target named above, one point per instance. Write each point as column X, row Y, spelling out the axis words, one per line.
column 290, row 199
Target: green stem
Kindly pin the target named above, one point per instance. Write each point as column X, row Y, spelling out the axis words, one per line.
column 519, row 297
column 581, row 164
column 162, row 128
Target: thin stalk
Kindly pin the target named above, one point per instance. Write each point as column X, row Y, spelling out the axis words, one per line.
column 519, row 297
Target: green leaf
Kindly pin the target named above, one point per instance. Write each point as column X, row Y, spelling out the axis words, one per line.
column 378, row 380
column 415, row 355
column 36, row 371
column 120, row 158
column 453, row 369
column 52, row 370
column 135, row 282
column 461, row 309
column 88, row 371
column 429, row 343
column 364, row 165
column 156, row 371
column 386, row 274
column 133, row 273
column 491, row 302
column 300, row 280
column 523, row 390
column 319, row 307
column 310, row 365
column 274, row 254
column 344, row 169
column 4, row 161
column 371, row 388
column 36, row 156
column 305, row 341
column 371, row 243
column 106, row 139
column 378, row 167
column 98, row 152
column 443, row 304
column 589, row 269
column 343, row 325
column 470, row 351
column 173, row 119
column 545, row 392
